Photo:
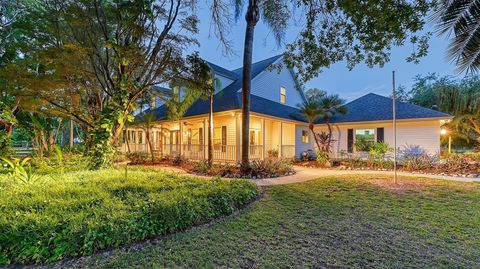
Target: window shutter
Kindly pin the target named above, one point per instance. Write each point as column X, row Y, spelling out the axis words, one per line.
column 224, row 138
column 380, row 134
column 350, row 140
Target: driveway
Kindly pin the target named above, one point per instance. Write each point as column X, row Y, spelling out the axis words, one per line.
column 305, row 174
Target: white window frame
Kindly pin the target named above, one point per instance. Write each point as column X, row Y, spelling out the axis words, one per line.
column 283, row 95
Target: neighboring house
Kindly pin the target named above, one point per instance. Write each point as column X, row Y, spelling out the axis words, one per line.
column 370, row 117
column 276, row 126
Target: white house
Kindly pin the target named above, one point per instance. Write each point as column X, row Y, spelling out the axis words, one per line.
column 276, row 126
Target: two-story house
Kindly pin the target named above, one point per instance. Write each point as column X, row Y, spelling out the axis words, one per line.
column 276, row 126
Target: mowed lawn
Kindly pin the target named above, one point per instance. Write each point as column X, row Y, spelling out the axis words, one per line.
column 347, row 222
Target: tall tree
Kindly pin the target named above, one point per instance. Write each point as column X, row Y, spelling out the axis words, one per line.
column 98, row 58
column 331, row 31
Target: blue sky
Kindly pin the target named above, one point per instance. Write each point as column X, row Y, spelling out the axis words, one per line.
column 337, row 79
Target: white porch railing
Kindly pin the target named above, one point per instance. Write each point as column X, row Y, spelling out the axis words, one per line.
column 221, row 153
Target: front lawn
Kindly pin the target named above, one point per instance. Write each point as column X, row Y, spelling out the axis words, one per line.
column 78, row 213
column 355, row 221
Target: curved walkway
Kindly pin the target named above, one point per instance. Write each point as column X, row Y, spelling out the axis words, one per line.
column 305, row 174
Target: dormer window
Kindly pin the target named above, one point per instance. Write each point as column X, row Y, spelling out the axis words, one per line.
column 283, row 95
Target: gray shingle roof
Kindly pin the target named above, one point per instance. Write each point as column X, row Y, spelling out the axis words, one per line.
column 374, row 107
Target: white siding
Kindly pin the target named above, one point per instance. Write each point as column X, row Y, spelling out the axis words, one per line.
column 423, row 133
column 299, row 145
column 267, row 85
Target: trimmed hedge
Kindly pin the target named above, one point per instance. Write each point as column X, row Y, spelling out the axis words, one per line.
column 79, row 213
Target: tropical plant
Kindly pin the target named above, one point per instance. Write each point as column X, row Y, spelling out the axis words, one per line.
column 460, row 20
column 21, row 171
column 415, row 158
column 362, row 144
column 310, row 110
column 329, row 106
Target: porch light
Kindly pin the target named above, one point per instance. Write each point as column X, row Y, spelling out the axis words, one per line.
column 443, row 131
column 233, row 114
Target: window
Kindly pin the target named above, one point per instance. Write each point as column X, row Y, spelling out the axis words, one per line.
column 140, row 137
column 364, row 138
column 283, row 95
column 220, row 138
column 131, row 136
column 304, row 136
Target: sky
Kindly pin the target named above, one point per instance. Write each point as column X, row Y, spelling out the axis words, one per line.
column 336, row 79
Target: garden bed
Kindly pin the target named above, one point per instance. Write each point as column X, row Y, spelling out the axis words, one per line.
column 269, row 168
column 79, row 213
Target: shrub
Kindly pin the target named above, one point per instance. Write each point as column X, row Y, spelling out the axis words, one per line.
column 272, row 153
column 56, row 165
column 201, row 167
column 414, row 158
column 178, row 160
column 82, row 212
column 137, row 157
column 323, row 158
column 271, row 167
column 362, row 144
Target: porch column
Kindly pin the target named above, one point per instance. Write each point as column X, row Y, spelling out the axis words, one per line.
column 238, row 147
column 205, row 139
column 263, row 139
column 180, row 139
column 281, row 140
column 160, row 140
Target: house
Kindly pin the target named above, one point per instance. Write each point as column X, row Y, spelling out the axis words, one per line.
column 276, row 126
column 370, row 118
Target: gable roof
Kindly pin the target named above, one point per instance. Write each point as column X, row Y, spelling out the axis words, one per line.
column 230, row 99
column 374, row 107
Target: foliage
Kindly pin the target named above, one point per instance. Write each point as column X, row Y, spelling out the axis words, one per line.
column 323, row 158
column 272, row 153
column 21, row 171
column 458, row 20
column 378, row 150
column 80, row 213
column 320, row 105
column 362, row 144
column 52, row 166
column 415, row 158
column 93, row 61
column 365, row 211
column 270, row 167
column 137, row 157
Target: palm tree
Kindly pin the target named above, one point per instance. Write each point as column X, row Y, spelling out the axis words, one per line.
column 329, row 106
column 461, row 18
column 310, row 109
column 276, row 14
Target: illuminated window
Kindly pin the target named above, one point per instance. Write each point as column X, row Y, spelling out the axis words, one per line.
column 283, row 95
column 220, row 138
column 304, row 136
column 140, row 137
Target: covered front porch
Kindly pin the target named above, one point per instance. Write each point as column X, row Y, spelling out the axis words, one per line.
column 188, row 137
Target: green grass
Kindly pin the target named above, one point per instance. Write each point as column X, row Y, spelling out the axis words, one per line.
column 78, row 213
column 349, row 222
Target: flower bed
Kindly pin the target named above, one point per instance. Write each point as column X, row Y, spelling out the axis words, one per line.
column 79, row 213
column 268, row 168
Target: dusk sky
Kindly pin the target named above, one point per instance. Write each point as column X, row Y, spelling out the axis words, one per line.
column 338, row 79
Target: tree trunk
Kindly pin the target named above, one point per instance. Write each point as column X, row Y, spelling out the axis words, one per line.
column 147, row 137
column 251, row 18
column 71, row 133
column 310, row 126
column 329, row 139
column 210, row 132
